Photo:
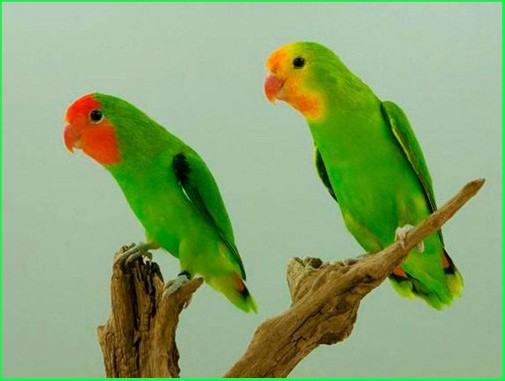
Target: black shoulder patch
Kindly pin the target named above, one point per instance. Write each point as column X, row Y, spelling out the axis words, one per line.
column 323, row 174
column 181, row 168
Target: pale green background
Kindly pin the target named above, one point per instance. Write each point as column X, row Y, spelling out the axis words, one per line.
column 198, row 69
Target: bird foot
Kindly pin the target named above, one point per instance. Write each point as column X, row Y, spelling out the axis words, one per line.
column 401, row 233
column 136, row 251
column 174, row 284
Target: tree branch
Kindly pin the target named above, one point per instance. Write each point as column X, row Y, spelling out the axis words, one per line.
column 326, row 299
column 139, row 337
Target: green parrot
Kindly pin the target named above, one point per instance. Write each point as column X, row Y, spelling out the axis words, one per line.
column 368, row 157
column 168, row 187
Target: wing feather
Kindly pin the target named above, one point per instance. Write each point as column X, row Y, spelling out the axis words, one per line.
column 323, row 174
column 402, row 131
column 201, row 189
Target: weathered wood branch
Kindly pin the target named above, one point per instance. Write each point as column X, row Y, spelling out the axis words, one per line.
column 326, row 299
column 139, row 338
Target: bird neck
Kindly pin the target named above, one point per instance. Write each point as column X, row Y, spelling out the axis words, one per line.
column 347, row 131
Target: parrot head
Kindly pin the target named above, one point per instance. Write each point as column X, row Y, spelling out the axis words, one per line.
column 88, row 128
column 300, row 74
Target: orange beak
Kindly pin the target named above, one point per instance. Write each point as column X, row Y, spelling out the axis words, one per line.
column 273, row 86
column 72, row 137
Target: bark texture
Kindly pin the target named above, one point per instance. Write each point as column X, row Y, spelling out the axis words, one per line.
column 139, row 338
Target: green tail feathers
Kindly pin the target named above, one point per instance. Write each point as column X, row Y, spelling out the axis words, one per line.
column 234, row 288
column 410, row 287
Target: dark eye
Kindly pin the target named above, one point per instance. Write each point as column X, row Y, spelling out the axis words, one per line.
column 298, row 62
column 96, row 116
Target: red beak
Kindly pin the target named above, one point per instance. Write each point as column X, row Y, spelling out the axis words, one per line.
column 273, row 86
column 72, row 137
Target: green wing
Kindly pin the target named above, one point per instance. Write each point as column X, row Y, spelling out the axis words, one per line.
column 201, row 189
column 323, row 174
column 400, row 126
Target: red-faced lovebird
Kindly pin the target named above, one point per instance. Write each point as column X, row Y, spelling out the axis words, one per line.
column 168, row 187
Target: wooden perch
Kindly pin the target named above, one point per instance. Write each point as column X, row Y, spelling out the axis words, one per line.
column 139, row 338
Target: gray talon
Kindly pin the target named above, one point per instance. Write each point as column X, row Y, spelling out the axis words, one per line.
column 173, row 285
column 135, row 252
column 401, row 233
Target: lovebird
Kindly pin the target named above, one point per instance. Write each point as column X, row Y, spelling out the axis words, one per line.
column 169, row 188
column 367, row 156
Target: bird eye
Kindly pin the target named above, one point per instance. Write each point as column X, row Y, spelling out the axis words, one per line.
column 298, row 62
column 96, row 116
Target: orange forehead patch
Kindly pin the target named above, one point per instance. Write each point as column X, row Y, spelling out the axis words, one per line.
column 276, row 59
column 82, row 106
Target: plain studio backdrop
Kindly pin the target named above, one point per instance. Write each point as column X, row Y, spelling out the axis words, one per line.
column 198, row 69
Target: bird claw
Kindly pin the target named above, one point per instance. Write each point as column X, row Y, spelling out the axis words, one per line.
column 136, row 251
column 401, row 233
column 174, row 284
